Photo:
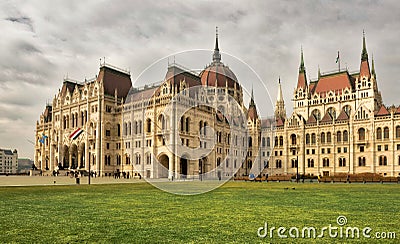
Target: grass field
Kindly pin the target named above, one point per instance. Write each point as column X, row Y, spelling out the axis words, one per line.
column 140, row 213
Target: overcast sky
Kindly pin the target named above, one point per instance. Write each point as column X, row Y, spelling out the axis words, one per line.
column 43, row 41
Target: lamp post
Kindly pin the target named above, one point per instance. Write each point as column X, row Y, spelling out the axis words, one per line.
column 88, row 168
column 297, row 166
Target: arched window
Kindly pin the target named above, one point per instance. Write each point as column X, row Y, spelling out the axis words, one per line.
column 316, row 114
column 294, row 163
column 281, row 141
column 382, row 160
column 342, row 162
column 332, row 112
column 328, row 137
column 187, row 124
column 278, row 163
column 310, row 163
column 386, row 133
column 140, row 127
column 361, row 161
column 182, row 123
column 379, row 133
column 263, row 142
column 325, row 162
column 313, row 139
column 200, row 126
column 136, row 127
column 148, row 125
column 163, row 122
column 398, row 131
column 268, row 142
column 276, row 141
column 345, row 136
column 339, row 136
column 361, row 134
column 250, row 141
column 307, row 139
column 323, row 137
column 293, row 139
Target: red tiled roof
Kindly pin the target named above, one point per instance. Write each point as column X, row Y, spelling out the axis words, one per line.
column 327, row 118
column 382, row 111
column 398, row 110
column 311, row 119
column 266, row 123
column 364, row 69
column 334, row 82
column 312, row 86
column 139, row 95
column 115, row 80
column 301, row 81
column 220, row 74
column 176, row 74
column 252, row 113
column 279, row 122
column 342, row 116
column 68, row 85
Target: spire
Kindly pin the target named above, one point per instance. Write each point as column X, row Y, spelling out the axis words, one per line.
column 373, row 67
column 216, row 55
column 364, row 54
column 364, row 67
column 302, row 79
column 280, row 96
column 301, row 68
column 252, row 97
column 252, row 112
column 280, row 111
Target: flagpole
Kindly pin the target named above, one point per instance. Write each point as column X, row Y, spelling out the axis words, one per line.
column 338, row 60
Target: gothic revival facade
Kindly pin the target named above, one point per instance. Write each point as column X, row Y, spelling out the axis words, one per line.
column 93, row 106
column 196, row 125
column 188, row 125
column 338, row 125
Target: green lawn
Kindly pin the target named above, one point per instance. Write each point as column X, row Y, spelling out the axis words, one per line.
column 140, row 213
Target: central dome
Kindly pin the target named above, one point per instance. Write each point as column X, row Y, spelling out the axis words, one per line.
column 217, row 74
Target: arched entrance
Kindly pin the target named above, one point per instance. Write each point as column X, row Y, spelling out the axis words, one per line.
column 163, row 166
column 73, row 156
column 184, row 167
column 65, row 158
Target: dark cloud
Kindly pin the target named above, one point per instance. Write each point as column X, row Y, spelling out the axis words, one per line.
column 22, row 20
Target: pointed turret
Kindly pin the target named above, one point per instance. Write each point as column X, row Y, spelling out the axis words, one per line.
column 252, row 112
column 216, row 55
column 373, row 67
column 302, row 79
column 280, row 111
column 364, row 67
column 364, row 54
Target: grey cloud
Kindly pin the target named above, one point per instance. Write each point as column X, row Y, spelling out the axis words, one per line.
column 22, row 20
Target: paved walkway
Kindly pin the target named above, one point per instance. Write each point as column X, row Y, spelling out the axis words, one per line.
column 59, row 180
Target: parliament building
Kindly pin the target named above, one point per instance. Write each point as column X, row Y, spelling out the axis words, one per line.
column 197, row 125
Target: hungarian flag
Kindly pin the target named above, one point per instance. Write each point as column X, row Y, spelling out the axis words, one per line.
column 76, row 134
column 337, row 58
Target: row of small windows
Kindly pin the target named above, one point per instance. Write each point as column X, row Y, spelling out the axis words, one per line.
column 327, row 137
column 73, row 120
